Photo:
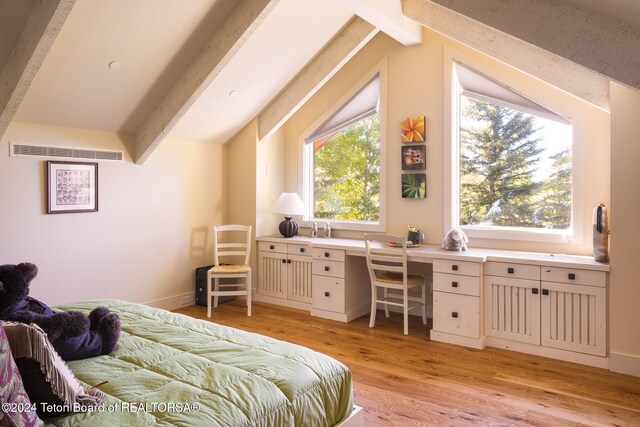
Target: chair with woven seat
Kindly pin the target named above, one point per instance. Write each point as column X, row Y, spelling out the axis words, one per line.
column 387, row 265
column 232, row 244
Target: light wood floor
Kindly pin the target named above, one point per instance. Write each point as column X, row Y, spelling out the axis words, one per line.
column 411, row 381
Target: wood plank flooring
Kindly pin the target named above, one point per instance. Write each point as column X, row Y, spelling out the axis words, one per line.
column 411, row 381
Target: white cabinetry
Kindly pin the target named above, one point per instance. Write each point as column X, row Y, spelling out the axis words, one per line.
column 456, row 302
column 285, row 273
column 551, row 307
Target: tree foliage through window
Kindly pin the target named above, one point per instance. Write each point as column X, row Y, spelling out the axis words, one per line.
column 346, row 176
column 511, row 173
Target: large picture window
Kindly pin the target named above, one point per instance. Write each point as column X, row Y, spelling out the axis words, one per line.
column 514, row 163
column 343, row 162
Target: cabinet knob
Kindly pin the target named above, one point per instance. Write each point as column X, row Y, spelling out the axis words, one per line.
column 510, row 270
column 326, row 268
column 271, row 247
column 326, row 254
column 326, row 294
column 534, row 291
column 545, row 292
column 454, row 267
column 572, row 276
column 454, row 314
column 454, row 284
column 288, row 261
column 284, row 261
column 301, row 249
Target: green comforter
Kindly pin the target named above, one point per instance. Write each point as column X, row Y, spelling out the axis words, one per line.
column 171, row 369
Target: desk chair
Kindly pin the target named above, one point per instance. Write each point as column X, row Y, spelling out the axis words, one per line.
column 229, row 249
column 388, row 270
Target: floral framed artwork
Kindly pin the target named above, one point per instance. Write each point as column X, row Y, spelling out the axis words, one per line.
column 414, row 186
column 414, row 157
column 72, row 187
column 413, row 129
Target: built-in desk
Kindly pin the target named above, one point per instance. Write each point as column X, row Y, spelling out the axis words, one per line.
column 548, row 304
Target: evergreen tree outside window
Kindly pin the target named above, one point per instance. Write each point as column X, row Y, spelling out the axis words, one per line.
column 515, row 164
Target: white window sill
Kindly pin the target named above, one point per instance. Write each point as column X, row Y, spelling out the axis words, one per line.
column 529, row 235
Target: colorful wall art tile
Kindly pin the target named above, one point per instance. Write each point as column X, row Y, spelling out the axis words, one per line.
column 413, row 129
column 414, row 186
column 413, row 157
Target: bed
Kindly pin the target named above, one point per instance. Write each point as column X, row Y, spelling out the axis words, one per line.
column 171, row 369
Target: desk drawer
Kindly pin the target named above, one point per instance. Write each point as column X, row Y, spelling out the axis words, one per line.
column 574, row 276
column 328, row 268
column 298, row 249
column 518, row 271
column 456, row 267
column 280, row 248
column 328, row 294
column 456, row 314
column 464, row 285
column 328, row 254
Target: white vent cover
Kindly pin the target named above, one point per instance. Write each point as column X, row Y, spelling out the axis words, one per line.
column 23, row 150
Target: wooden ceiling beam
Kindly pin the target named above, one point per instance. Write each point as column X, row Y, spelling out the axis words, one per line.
column 315, row 74
column 387, row 16
column 31, row 48
column 552, row 68
column 225, row 43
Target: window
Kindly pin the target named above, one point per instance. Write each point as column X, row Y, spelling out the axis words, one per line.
column 343, row 163
column 513, row 170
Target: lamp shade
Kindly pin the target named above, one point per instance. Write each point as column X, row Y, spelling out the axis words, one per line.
column 289, row 204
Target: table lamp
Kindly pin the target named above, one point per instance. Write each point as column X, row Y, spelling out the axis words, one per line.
column 288, row 204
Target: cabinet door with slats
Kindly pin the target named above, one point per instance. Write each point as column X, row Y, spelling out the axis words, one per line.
column 299, row 278
column 512, row 309
column 272, row 279
column 574, row 317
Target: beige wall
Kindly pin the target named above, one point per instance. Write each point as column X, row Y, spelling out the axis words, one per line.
column 624, row 291
column 416, row 87
column 150, row 233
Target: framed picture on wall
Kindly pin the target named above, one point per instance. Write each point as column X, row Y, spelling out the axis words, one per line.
column 72, row 187
column 413, row 157
column 414, row 186
column 413, row 129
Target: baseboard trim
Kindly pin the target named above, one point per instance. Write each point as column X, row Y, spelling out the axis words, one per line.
column 624, row 364
column 173, row 302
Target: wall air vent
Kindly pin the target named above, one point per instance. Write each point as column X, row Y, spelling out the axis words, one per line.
column 70, row 153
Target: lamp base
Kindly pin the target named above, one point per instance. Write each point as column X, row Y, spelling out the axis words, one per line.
column 288, row 227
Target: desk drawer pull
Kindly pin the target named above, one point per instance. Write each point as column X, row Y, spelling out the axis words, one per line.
column 454, row 284
column 271, row 247
column 326, row 254
column 534, row 291
column 510, row 270
column 326, row 294
column 301, row 249
column 545, row 292
column 326, row 268
column 454, row 314
column 572, row 276
column 454, row 267
column 284, row 261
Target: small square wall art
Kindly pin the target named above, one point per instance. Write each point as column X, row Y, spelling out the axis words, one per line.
column 414, row 186
column 413, row 157
column 413, row 129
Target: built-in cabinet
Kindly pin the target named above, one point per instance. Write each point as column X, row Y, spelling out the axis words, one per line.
column 545, row 304
column 456, row 302
column 285, row 271
column 553, row 307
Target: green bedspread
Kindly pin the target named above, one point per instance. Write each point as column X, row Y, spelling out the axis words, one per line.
column 171, row 369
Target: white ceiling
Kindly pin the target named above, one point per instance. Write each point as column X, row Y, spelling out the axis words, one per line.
column 155, row 41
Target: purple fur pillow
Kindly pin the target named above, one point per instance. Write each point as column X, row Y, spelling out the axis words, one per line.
column 12, row 391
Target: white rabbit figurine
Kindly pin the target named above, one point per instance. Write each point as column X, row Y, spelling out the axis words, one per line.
column 455, row 240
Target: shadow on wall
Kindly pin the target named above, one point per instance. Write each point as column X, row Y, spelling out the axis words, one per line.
column 199, row 242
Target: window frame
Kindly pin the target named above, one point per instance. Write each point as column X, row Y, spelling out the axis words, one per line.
column 517, row 81
column 306, row 165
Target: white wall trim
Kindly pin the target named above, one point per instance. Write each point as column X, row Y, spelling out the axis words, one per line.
column 624, row 364
column 173, row 302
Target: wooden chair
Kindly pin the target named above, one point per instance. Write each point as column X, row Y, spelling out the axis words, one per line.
column 226, row 249
column 388, row 270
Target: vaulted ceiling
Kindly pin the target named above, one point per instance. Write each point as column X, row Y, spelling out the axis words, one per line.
column 201, row 70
